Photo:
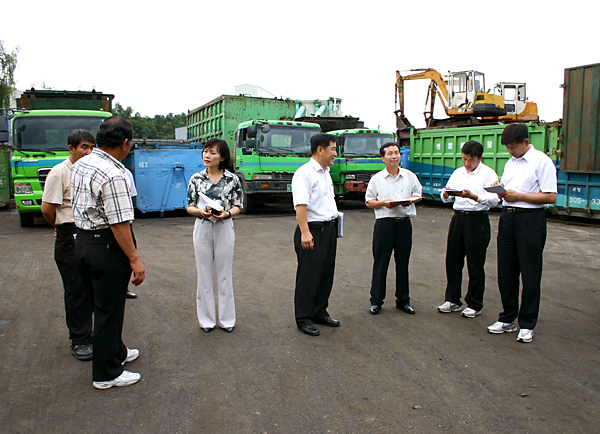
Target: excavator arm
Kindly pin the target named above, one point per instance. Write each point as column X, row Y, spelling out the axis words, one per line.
column 437, row 87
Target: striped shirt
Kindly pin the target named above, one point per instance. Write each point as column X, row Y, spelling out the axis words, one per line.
column 384, row 186
column 100, row 193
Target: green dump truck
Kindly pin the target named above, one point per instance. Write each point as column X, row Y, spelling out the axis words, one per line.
column 358, row 159
column 38, row 137
column 267, row 145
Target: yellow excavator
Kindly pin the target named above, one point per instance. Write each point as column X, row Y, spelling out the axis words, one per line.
column 463, row 95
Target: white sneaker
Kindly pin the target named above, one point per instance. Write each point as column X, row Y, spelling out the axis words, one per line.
column 448, row 307
column 125, row 379
column 470, row 313
column 501, row 327
column 131, row 356
column 525, row 335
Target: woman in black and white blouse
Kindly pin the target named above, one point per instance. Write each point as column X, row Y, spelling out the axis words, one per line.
column 214, row 237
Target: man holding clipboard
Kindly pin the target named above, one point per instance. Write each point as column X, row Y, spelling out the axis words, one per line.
column 392, row 193
column 529, row 179
column 469, row 232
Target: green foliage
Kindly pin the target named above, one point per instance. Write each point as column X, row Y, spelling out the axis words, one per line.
column 159, row 127
column 8, row 63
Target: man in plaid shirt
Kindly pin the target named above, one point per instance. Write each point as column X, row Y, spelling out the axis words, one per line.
column 105, row 248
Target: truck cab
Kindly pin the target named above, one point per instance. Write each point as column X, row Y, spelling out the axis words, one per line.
column 267, row 153
column 358, row 159
column 39, row 142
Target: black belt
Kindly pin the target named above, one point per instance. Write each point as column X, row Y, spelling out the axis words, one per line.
column 516, row 210
column 320, row 225
column 396, row 219
column 456, row 211
column 104, row 233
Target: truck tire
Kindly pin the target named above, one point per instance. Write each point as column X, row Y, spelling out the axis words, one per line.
column 248, row 201
column 26, row 219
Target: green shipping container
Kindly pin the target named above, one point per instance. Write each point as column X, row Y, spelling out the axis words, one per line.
column 436, row 153
column 220, row 117
column 4, row 176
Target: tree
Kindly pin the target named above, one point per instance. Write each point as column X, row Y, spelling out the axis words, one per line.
column 159, row 127
column 8, row 63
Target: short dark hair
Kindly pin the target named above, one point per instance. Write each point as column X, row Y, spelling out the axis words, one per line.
column 514, row 133
column 77, row 136
column 223, row 151
column 113, row 131
column 473, row 148
column 322, row 140
column 387, row 145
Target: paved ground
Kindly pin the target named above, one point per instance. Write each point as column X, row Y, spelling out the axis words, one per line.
column 392, row 373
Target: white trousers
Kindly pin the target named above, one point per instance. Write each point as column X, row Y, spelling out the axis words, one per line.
column 213, row 243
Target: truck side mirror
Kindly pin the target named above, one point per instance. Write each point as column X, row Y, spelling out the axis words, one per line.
column 251, row 131
column 251, row 143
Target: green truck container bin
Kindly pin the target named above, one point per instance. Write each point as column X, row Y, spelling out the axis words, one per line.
column 581, row 120
column 220, row 117
column 64, row 99
column 436, row 153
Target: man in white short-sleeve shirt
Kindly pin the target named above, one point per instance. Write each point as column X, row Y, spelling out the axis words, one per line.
column 469, row 232
column 530, row 181
column 392, row 231
column 56, row 208
column 315, row 239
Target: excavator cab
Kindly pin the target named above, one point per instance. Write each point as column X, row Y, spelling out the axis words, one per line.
column 518, row 109
column 467, row 96
column 464, row 86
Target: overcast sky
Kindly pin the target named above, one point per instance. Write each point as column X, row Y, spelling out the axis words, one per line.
column 174, row 56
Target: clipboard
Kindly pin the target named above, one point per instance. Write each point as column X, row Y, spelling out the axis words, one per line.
column 498, row 189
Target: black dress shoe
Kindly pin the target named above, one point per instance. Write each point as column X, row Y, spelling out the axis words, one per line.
column 374, row 309
column 81, row 352
column 131, row 294
column 227, row 329
column 208, row 329
column 406, row 308
column 309, row 329
column 327, row 321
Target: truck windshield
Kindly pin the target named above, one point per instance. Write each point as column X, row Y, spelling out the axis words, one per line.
column 287, row 139
column 50, row 132
column 365, row 144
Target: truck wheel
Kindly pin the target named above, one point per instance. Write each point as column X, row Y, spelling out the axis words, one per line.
column 248, row 200
column 26, row 219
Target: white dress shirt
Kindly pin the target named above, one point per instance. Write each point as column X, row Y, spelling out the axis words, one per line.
column 57, row 191
column 312, row 186
column 534, row 172
column 481, row 176
column 384, row 186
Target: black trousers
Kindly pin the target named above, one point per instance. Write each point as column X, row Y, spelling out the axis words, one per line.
column 389, row 236
column 78, row 301
column 314, row 276
column 468, row 235
column 105, row 271
column 521, row 241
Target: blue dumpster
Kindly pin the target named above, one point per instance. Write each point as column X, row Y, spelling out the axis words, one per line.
column 405, row 157
column 161, row 173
